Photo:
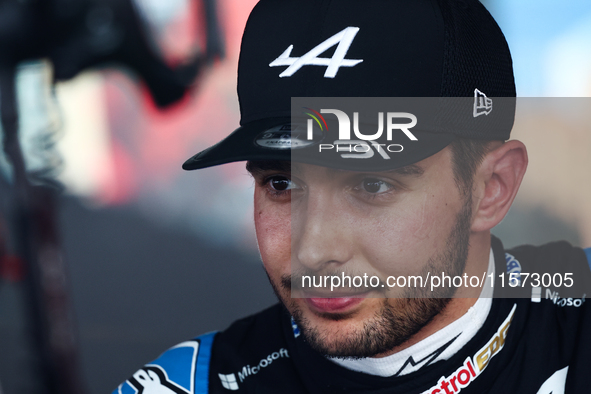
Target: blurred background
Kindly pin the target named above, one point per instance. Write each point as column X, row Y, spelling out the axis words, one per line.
column 155, row 255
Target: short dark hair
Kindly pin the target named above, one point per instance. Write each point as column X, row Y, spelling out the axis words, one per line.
column 467, row 155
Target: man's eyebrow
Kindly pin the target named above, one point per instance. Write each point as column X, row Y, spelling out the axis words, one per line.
column 409, row 170
column 256, row 167
column 412, row 170
column 259, row 166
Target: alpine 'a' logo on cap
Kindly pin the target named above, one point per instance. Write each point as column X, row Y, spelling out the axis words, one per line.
column 344, row 38
column 482, row 104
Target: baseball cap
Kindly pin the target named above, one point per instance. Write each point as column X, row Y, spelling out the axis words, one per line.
column 436, row 49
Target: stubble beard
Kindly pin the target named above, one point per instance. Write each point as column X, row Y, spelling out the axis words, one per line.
column 398, row 319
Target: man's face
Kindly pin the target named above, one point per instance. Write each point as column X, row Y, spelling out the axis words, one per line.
column 318, row 221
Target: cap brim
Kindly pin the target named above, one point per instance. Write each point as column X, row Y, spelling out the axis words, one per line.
column 240, row 146
column 252, row 142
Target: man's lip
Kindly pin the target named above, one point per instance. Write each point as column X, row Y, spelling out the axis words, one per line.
column 333, row 305
column 337, row 293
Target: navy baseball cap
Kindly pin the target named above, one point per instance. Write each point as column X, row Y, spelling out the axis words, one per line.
column 370, row 48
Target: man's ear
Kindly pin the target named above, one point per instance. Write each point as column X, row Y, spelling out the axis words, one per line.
column 496, row 183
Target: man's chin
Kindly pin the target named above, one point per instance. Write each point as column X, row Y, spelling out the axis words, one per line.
column 332, row 334
column 336, row 328
column 369, row 328
column 358, row 327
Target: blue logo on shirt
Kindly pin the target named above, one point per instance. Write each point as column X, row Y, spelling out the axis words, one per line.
column 172, row 373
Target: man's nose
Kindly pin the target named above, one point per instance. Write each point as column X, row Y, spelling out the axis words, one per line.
column 322, row 234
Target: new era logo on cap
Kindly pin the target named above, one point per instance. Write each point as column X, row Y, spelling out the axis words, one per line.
column 482, row 104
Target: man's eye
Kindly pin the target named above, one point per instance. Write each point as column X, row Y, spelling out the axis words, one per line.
column 375, row 186
column 280, row 183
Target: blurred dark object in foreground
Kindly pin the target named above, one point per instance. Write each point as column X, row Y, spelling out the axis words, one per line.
column 138, row 288
column 74, row 35
column 78, row 34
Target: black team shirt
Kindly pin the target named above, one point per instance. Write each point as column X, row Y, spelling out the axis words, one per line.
column 539, row 343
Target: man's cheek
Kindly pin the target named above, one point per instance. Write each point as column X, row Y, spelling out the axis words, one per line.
column 424, row 221
column 428, row 222
column 417, row 223
column 405, row 241
column 274, row 238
